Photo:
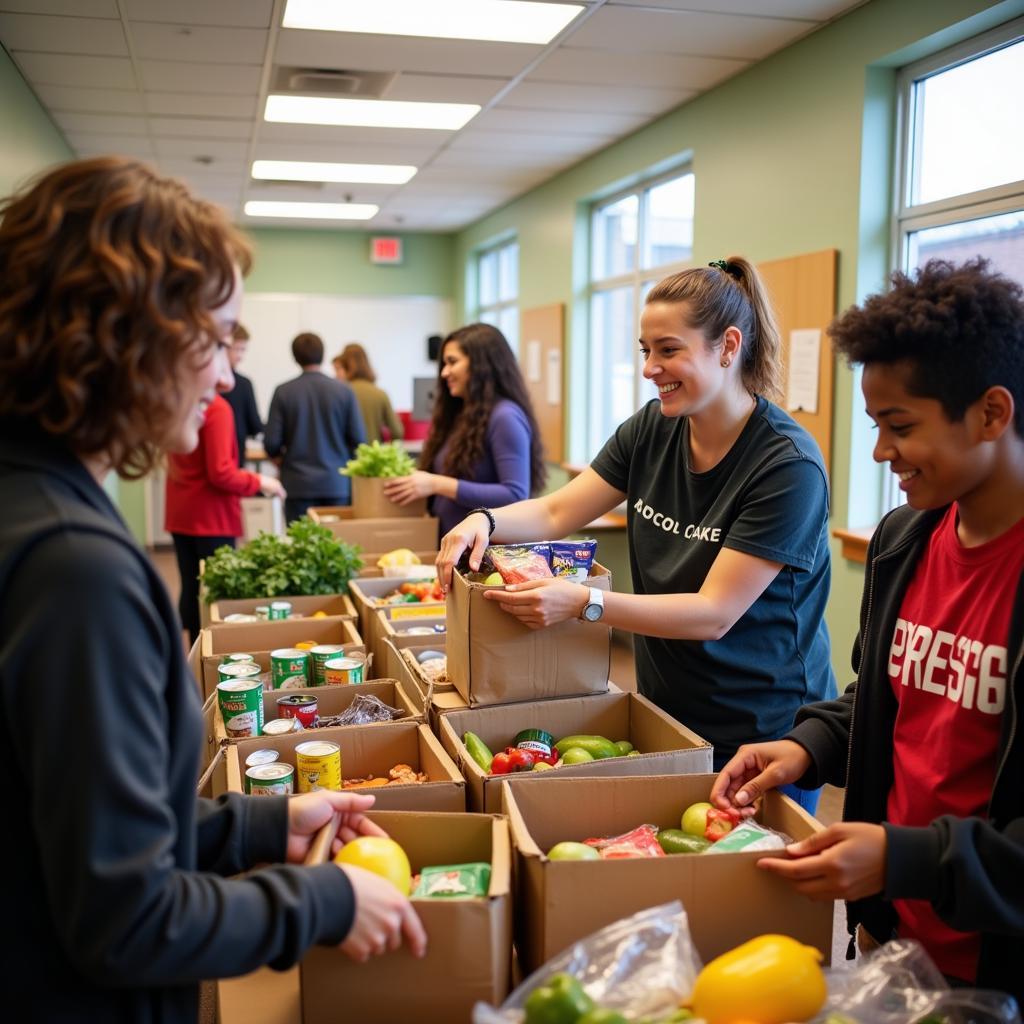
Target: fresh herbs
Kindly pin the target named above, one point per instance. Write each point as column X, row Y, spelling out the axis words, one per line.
column 378, row 459
column 308, row 561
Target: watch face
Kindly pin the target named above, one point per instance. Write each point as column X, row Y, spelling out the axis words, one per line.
column 592, row 612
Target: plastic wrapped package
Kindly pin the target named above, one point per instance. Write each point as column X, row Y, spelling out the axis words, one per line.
column 365, row 709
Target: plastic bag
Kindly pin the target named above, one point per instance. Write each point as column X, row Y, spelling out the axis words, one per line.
column 366, row 708
column 517, row 564
column 748, row 836
column 899, row 984
column 573, row 559
column 640, row 842
column 645, row 964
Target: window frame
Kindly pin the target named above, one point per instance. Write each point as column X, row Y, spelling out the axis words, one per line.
column 635, row 279
column 499, row 306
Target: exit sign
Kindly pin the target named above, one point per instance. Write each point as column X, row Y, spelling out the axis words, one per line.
column 385, row 250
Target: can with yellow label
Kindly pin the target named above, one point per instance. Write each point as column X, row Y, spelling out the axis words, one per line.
column 318, row 765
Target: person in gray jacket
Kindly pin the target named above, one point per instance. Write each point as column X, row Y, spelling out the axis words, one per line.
column 118, row 295
column 314, row 427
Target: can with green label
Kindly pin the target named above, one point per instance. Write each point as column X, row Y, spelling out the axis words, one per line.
column 277, row 779
column 279, row 610
column 236, row 659
column 237, row 670
column 345, row 671
column 241, row 707
column 289, row 668
column 321, row 654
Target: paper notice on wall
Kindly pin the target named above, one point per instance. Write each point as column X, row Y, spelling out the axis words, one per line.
column 533, row 367
column 554, row 382
column 803, row 374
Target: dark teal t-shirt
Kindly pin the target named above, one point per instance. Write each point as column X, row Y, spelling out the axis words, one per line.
column 768, row 497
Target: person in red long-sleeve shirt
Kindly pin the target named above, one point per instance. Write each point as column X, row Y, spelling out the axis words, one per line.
column 204, row 509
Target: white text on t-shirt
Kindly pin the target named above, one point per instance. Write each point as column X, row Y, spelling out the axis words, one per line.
column 692, row 531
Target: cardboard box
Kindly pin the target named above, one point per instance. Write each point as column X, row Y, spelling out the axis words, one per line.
column 370, row 502
column 667, row 747
column 211, row 744
column 214, row 779
column 371, row 570
column 468, row 958
column 393, row 645
column 494, row 659
column 365, row 591
column 303, row 607
column 366, row 751
column 386, row 624
column 332, row 700
column 262, row 515
column 418, row 533
column 728, row 900
column 214, row 644
column 407, row 661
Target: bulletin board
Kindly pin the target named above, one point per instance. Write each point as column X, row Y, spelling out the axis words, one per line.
column 542, row 358
column 803, row 294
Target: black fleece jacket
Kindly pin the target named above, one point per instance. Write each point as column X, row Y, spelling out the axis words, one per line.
column 115, row 906
column 970, row 869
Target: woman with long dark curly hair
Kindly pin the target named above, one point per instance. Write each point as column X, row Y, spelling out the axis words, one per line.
column 119, row 294
column 484, row 446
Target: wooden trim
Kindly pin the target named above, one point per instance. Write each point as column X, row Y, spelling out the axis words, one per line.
column 855, row 543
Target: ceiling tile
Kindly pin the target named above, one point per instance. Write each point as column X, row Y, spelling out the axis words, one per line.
column 222, row 167
column 333, row 135
column 200, row 104
column 364, row 52
column 81, row 8
column 445, row 88
column 101, row 124
column 812, row 10
column 510, row 157
column 175, row 76
column 229, row 13
column 557, row 145
column 188, row 149
column 87, row 144
column 50, row 34
column 596, row 98
column 95, row 101
column 201, row 128
column 479, row 175
column 320, row 193
column 654, row 71
column 93, row 72
column 502, row 119
column 361, row 153
column 198, row 44
column 453, row 189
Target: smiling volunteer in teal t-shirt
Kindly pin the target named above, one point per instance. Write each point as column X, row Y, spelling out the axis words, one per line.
column 727, row 503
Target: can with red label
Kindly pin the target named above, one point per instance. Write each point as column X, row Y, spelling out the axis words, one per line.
column 303, row 706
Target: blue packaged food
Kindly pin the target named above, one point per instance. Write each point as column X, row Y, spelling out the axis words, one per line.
column 572, row 559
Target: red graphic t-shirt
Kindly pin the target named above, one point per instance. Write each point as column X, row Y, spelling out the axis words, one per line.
column 948, row 669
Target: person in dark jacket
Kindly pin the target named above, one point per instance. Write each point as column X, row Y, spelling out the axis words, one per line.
column 314, row 426
column 241, row 397
column 118, row 295
column 928, row 740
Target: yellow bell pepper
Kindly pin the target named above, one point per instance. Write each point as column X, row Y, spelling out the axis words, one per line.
column 772, row 979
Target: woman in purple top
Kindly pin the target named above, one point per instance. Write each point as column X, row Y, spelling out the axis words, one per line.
column 483, row 449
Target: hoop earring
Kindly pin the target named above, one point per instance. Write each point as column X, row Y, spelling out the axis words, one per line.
column 725, row 363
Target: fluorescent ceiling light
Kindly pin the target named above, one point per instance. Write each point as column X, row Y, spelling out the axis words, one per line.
column 501, row 21
column 308, row 170
column 311, row 211
column 369, row 113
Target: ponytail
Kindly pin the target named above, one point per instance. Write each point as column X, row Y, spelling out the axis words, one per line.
column 730, row 293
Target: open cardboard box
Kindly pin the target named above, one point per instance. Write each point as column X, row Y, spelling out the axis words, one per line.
column 494, row 659
column 385, row 623
column 727, row 898
column 378, row 533
column 370, row 502
column 371, row 570
column 211, row 716
column 214, row 779
column 468, row 957
column 667, row 747
column 366, row 591
column 393, row 639
column 331, row 700
column 208, row 675
column 366, row 751
column 304, row 607
column 406, row 659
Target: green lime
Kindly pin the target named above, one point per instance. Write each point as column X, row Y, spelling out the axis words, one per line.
column 576, row 755
column 624, row 747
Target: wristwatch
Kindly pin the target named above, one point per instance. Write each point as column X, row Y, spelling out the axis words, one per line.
column 490, row 518
column 594, row 608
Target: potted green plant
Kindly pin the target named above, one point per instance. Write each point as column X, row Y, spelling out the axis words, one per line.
column 373, row 464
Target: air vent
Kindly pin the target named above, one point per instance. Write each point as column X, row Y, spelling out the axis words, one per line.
column 332, row 82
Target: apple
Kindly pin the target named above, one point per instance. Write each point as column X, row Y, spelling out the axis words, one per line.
column 494, row 580
column 576, row 755
column 573, row 851
column 695, row 818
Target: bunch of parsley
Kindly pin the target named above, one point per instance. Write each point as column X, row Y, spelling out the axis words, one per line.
column 379, row 460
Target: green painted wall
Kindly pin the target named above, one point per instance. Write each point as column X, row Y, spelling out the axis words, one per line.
column 338, row 263
column 792, row 156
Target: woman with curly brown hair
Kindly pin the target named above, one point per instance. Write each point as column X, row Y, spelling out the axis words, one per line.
column 118, row 295
column 484, row 447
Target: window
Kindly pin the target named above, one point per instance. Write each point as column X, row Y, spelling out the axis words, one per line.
column 636, row 238
column 498, row 289
column 960, row 181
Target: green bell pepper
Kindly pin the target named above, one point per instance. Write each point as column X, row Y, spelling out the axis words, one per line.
column 561, row 1000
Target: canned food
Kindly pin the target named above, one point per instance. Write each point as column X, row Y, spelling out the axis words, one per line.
column 264, row 756
column 240, row 659
column 303, row 706
column 417, row 631
column 345, row 671
column 537, row 741
column 237, row 670
column 318, row 764
column 241, row 707
column 321, row 654
column 289, row 668
column 281, row 726
column 279, row 610
column 262, row 611
column 276, row 779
